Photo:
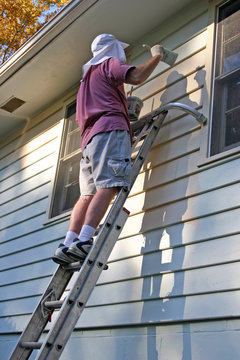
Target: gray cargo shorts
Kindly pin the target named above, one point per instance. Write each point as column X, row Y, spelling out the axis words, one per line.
column 106, row 162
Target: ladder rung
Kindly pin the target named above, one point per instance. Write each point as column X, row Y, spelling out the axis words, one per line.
column 31, row 345
column 56, row 304
column 76, row 266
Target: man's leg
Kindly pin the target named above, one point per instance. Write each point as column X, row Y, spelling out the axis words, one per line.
column 87, row 214
column 79, row 212
column 90, row 209
column 77, row 219
column 95, row 212
column 75, row 225
column 98, row 206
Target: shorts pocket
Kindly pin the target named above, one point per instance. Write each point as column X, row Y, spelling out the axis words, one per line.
column 120, row 167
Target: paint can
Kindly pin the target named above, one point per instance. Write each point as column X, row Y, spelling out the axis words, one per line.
column 135, row 105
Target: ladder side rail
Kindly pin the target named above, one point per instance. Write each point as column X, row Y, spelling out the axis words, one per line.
column 38, row 322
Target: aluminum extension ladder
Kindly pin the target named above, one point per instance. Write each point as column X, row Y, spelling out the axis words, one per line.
column 73, row 305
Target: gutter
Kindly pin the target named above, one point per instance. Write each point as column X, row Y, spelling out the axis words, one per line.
column 48, row 33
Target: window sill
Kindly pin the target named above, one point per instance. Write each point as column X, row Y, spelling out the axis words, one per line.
column 59, row 218
column 219, row 157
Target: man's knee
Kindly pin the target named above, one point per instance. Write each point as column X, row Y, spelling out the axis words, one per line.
column 110, row 190
column 86, row 198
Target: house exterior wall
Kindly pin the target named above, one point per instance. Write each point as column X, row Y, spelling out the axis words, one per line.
column 171, row 291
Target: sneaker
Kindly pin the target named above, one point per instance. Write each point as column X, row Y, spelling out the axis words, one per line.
column 79, row 250
column 61, row 257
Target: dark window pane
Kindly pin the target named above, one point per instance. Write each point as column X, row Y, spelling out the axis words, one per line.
column 72, row 136
column 67, row 186
column 71, row 186
column 72, row 124
column 231, row 55
column 233, row 128
column 233, row 99
column 231, row 26
column 71, row 110
column 71, row 172
column 228, row 38
column 71, row 196
column 73, row 142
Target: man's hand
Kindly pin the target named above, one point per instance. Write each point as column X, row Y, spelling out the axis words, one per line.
column 155, row 50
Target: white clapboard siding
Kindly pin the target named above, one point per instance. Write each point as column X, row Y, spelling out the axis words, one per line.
column 187, row 208
column 198, row 182
column 44, row 234
column 181, row 85
column 156, row 286
column 30, row 270
column 219, row 251
column 177, row 212
column 24, row 289
column 172, row 150
column 27, row 186
column 214, row 225
column 33, row 193
column 24, row 188
column 192, row 98
column 166, row 310
column 165, row 172
column 29, row 225
column 191, row 256
column 153, row 311
column 28, row 256
column 168, row 237
column 171, row 284
column 187, row 308
column 185, row 48
column 191, row 57
column 28, row 135
column 178, row 126
column 194, row 256
column 18, row 306
column 25, row 168
column 11, row 324
column 180, row 246
column 34, row 208
column 12, row 162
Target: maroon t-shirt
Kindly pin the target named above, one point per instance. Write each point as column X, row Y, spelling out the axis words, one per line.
column 101, row 100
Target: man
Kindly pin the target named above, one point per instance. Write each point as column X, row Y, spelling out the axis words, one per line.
column 106, row 139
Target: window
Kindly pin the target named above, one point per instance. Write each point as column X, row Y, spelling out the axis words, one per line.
column 225, row 132
column 66, row 191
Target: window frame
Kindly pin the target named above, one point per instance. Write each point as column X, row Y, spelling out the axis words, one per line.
column 61, row 158
column 208, row 97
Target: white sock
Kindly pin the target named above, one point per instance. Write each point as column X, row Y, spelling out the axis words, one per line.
column 86, row 233
column 70, row 236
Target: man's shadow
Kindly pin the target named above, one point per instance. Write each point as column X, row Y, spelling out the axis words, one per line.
column 163, row 250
